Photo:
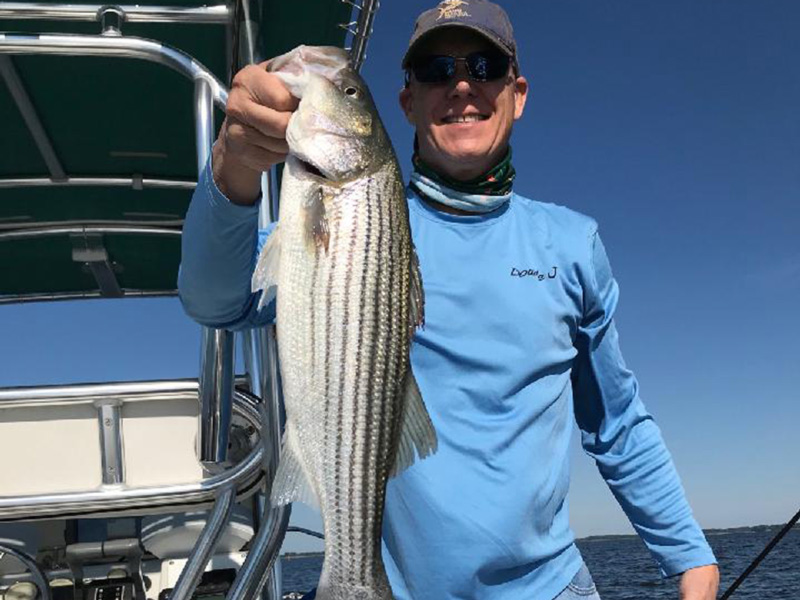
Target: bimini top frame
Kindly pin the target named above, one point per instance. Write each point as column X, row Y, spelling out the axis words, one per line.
column 268, row 28
column 131, row 13
column 216, row 377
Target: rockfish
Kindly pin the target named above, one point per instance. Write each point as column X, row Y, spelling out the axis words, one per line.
column 349, row 297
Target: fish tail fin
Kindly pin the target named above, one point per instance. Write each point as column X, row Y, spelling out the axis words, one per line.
column 339, row 590
column 350, row 592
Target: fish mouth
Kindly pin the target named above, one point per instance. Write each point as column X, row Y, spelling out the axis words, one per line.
column 311, row 169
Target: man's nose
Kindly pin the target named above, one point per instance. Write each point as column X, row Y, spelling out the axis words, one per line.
column 461, row 83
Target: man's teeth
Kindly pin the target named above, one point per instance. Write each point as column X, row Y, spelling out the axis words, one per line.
column 464, row 118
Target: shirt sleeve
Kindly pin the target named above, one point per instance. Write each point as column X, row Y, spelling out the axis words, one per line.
column 622, row 437
column 219, row 249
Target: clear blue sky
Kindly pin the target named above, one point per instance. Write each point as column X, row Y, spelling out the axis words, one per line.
column 674, row 124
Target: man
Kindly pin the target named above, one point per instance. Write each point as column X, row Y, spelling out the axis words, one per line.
column 519, row 334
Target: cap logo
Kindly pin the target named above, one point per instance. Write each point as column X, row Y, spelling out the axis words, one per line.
column 451, row 9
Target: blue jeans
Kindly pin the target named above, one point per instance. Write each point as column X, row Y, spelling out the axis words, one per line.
column 580, row 588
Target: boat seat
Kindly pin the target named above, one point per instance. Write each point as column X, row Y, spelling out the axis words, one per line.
column 115, row 450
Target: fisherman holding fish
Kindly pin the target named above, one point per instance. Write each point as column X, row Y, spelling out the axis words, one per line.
column 518, row 337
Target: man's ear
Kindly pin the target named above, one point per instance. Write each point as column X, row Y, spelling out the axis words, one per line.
column 406, row 99
column 520, row 96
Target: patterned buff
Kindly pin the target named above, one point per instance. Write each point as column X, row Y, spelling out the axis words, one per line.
column 482, row 194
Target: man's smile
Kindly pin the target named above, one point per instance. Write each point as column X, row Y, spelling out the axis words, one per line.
column 471, row 118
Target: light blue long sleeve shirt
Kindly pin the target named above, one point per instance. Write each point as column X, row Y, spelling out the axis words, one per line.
column 519, row 343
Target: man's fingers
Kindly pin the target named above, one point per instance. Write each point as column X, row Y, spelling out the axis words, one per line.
column 265, row 88
column 270, row 122
column 240, row 135
column 259, row 159
column 254, row 133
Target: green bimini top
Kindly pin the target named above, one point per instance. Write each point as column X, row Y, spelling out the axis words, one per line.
column 69, row 124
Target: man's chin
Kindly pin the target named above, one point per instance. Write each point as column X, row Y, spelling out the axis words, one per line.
column 474, row 160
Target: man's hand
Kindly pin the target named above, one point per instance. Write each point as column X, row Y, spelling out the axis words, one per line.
column 253, row 136
column 700, row 583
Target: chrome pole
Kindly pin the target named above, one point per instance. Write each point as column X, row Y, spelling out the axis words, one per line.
column 217, row 359
column 119, row 46
column 133, row 13
column 137, row 182
column 216, row 391
column 204, row 548
column 203, row 121
column 110, row 427
column 260, row 354
column 366, row 18
column 258, row 567
column 49, row 231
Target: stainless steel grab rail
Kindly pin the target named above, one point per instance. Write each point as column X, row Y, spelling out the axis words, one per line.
column 244, row 476
column 132, row 13
column 204, row 548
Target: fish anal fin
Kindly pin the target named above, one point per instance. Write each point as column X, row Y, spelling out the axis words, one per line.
column 291, row 483
column 317, row 229
column 417, row 435
column 265, row 275
column 417, row 295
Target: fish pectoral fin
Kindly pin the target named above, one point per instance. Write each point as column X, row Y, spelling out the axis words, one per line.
column 291, row 484
column 417, row 312
column 265, row 276
column 317, row 230
column 416, row 429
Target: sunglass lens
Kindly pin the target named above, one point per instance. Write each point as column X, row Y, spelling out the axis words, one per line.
column 487, row 67
column 434, row 69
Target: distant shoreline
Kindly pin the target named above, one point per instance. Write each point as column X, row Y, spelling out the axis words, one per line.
column 293, row 555
column 707, row 532
column 610, row 536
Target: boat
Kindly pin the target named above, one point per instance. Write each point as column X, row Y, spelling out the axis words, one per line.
column 135, row 490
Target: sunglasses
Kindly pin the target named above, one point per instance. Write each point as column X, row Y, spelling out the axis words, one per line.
column 481, row 67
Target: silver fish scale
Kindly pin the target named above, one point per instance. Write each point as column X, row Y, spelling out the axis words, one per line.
column 343, row 330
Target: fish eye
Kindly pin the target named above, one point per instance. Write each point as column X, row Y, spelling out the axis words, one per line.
column 351, row 91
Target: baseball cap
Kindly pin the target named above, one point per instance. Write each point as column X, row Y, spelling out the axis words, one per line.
column 481, row 16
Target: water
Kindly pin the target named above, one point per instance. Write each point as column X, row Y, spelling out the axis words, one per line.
column 623, row 569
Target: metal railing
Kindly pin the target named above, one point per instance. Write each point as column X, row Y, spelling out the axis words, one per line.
column 217, row 370
column 360, row 28
column 136, row 182
column 111, row 497
column 132, row 13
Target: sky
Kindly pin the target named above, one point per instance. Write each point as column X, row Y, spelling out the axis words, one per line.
column 675, row 125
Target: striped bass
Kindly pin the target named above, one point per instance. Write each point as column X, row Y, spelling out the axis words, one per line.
column 349, row 297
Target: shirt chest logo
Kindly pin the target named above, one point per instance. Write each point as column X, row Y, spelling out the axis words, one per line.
column 534, row 274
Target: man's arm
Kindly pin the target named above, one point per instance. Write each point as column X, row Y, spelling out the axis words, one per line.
column 220, row 244
column 219, row 249
column 626, row 444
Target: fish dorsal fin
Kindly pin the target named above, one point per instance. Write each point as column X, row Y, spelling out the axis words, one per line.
column 291, row 484
column 416, row 430
column 265, row 276
column 417, row 312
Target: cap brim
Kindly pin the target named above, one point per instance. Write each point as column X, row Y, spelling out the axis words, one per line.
column 487, row 35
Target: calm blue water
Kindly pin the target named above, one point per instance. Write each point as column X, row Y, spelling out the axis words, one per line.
column 623, row 569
